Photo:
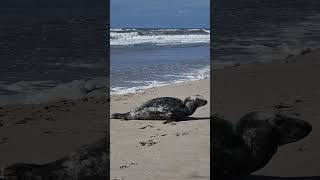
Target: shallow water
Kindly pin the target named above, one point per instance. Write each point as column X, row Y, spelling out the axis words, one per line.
column 155, row 57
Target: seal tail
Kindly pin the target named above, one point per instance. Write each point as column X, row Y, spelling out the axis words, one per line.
column 119, row 115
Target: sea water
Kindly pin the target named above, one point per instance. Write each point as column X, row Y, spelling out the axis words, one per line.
column 144, row 58
column 245, row 31
column 264, row 30
column 48, row 54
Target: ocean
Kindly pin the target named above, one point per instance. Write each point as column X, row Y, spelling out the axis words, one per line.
column 144, row 58
column 264, row 30
column 48, row 54
column 36, row 64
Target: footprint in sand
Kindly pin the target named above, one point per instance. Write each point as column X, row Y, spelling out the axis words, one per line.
column 181, row 134
column 303, row 148
column 118, row 178
column 148, row 143
column 169, row 122
column 154, row 136
column 282, row 106
column 4, row 140
column 127, row 166
column 24, row 121
column 147, row 127
column 2, row 115
column 296, row 114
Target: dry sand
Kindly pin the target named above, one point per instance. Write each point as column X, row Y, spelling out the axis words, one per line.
column 290, row 86
column 173, row 151
column 47, row 132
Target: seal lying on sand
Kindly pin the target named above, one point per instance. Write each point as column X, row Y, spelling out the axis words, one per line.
column 89, row 162
column 163, row 108
column 249, row 146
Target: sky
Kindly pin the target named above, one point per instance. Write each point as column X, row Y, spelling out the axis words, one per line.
column 160, row 13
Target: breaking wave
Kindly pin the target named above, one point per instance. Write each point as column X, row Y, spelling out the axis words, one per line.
column 130, row 37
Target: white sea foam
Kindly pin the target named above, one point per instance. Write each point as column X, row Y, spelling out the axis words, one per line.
column 196, row 74
column 126, row 90
column 121, row 37
column 131, row 39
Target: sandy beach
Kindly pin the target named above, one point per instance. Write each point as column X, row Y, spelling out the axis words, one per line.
column 42, row 133
column 153, row 150
column 289, row 86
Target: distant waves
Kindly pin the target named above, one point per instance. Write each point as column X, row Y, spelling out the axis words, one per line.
column 129, row 37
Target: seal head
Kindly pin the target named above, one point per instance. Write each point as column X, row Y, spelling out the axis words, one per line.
column 286, row 129
column 192, row 103
column 249, row 145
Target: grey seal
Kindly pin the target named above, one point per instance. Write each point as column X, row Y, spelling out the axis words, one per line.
column 249, row 145
column 88, row 162
column 163, row 108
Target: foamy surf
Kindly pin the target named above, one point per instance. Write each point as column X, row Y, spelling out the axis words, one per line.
column 147, row 58
column 129, row 37
column 196, row 74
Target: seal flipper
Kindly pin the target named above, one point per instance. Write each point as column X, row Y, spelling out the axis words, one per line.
column 119, row 116
column 168, row 121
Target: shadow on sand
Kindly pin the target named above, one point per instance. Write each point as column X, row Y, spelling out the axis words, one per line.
column 196, row 118
column 257, row 177
column 186, row 119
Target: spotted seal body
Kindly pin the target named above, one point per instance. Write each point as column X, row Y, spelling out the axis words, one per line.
column 89, row 162
column 163, row 108
column 249, row 145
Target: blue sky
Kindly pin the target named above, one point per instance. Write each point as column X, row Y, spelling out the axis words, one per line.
column 160, row 13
